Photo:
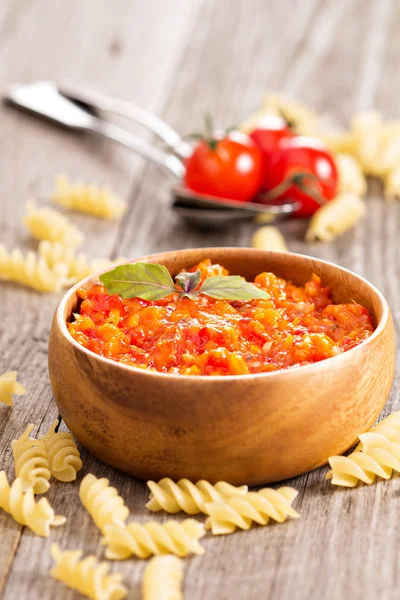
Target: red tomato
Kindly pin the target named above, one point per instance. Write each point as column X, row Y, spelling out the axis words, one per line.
column 227, row 168
column 269, row 135
column 304, row 170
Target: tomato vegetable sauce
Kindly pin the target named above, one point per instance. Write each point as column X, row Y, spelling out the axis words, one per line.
column 295, row 326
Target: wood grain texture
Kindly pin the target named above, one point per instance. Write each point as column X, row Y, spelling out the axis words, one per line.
column 180, row 59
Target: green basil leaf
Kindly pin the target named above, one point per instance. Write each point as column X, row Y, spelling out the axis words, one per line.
column 139, row 280
column 231, row 287
column 188, row 281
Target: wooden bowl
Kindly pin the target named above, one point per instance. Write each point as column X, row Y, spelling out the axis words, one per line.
column 246, row 429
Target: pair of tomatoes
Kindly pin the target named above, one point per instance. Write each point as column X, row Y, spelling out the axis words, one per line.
column 272, row 161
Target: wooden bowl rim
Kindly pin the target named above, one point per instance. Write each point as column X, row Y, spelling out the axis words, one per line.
column 219, row 379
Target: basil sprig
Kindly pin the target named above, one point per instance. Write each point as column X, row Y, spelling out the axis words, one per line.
column 154, row 282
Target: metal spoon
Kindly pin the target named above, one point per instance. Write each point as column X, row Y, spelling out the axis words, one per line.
column 94, row 101
column 44, row 99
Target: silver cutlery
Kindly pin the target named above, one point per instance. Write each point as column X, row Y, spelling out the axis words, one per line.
column 77, row 109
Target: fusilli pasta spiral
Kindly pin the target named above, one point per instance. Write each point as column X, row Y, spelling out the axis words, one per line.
column 151, row 538
column 64, row 457
column 103, row 502
column 389, row 427
column 87, row 576
column 378, row 454
column 376, row 144
column 254, row 506
column 31, row 271
column 302, row 118
column 392, row 184
column 350, row 175
column 187, row 496
column 39, row 516
column 9, row 385
column 79, row 265
column 31, row 462
column 269, row 238
column 90, row 199
column 48, row 224
column 335, row 217
column 163, row 579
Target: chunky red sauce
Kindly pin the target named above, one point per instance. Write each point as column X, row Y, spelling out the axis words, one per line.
column 295, row 326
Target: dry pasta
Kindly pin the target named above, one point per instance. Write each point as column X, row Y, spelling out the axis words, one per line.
column 269, row 238
column 104, row 504
column 347, row 471
column 152, row 538
column 63, row 455
column 79, row 265
column 259, row 507
column 87, row 576
column 187, row 496
column 392, row 184
column 341, row 141
column 335, row 217
column 10, row 386
column 31, row 462
column 163, row 579
column 366, row 130
column 378, row 454
column 377, row 143
column 300, row 116
column 38, row 516
column 31, row 271
column 389, row 427
column 91, row 199
column 350, row 176
column 45, row 223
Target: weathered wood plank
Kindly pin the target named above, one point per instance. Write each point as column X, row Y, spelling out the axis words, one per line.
column 85, row 42
column 338, row 56
column 330, row 552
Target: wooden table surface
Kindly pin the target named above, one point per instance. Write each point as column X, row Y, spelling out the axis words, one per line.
column 180, row 59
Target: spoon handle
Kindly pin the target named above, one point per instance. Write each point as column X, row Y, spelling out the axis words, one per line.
column 97, row 101
column 108, row 130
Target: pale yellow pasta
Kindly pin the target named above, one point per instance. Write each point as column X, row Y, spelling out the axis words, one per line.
column 187, row 496
column 377, row 144
column 32, row 271
column 79, row 265
column 63, row 454
column 303, row 119
column 350, row 176
column 45, row 223
column 90, row 199
column 389, row 427
column 258, row 507
column 86, row 576
column 163, row 578
column 366, row 129
column 269, row 238
column 378, row 454
column 104, row 504
column 38, row 516
column 152, row 538
column 335, row 217
column 9, row 386
column 31, row 462
column 363, row 466
column 392, row 184
column 339, row 141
